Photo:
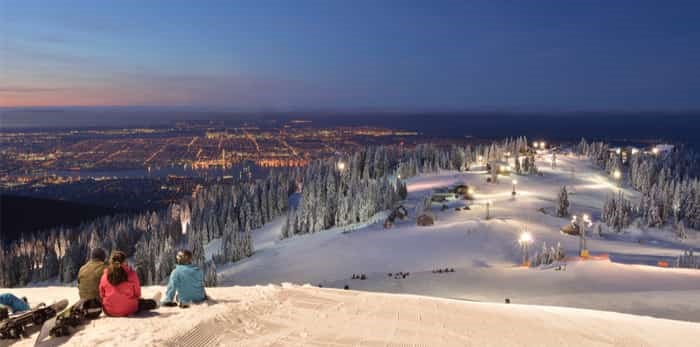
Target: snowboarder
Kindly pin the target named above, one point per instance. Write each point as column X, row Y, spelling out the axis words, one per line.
column 90, row 274
column 11, row 302
column 186, row 284
column 120, row 289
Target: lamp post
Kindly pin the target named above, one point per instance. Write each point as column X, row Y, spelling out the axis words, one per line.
column 514, row 183
column 525, row 240
column 488, row 209
column 581, row 224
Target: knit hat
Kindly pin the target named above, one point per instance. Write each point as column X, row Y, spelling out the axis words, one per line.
column 98, row 254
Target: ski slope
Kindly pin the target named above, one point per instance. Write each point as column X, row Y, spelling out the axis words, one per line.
column 307, row 316
column 485, row 253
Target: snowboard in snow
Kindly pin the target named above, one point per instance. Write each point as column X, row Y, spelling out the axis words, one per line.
column 15, row 326
column 65, row 321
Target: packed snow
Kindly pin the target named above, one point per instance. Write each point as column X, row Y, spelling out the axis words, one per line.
column 307, row 316
column 485, row 253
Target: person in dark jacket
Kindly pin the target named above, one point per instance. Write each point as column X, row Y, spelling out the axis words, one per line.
column 186, row 283
column 90, row 274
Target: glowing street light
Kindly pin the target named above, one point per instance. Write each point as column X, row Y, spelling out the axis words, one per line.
column 655, row 150
column 341, row 166
column 525, row 240
column 581, row 224
column 617, row 175
column 514, row 183
column 543, row 144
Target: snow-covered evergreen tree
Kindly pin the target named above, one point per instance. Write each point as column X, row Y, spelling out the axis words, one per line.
column 563, row 202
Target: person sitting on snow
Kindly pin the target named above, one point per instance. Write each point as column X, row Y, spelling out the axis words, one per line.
column 89, row 283
column 186, row 284
column 120, row 289
column 90, row 274
column 10, row 302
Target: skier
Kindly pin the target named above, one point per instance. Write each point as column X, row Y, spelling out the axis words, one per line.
column 10, row 302
column 120, row 289
column 186, row 284
column 90, row 274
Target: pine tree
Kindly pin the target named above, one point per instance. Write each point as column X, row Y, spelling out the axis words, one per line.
column 563, row 203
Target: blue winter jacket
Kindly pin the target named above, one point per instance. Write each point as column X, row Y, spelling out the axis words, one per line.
column 14, row 303
column 187, row 281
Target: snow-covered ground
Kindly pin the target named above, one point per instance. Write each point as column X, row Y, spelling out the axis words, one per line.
column 484, row 254
column 308, row 316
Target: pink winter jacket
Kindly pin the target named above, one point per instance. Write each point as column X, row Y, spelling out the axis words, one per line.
column 123, row 299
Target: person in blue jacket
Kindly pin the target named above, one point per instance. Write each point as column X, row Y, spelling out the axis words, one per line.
column 11, row 302
column 186, row 284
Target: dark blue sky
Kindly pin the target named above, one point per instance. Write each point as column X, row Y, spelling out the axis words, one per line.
column 353, row 55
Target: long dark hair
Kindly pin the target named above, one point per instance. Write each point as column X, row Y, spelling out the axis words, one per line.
column 116, row 273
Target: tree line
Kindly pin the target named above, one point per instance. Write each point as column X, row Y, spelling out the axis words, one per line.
column 668, row 183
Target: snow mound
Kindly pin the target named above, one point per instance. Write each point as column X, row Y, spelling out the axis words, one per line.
column 308, row 316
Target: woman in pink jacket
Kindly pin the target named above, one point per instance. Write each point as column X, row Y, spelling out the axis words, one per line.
column 120, row 289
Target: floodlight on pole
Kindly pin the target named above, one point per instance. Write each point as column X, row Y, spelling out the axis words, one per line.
column 581, row 224
column 525, row 240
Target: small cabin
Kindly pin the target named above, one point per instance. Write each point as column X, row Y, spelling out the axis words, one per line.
column 570, row 229
column 461, row 189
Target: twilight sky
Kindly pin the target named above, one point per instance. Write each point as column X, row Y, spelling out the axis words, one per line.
column 351, row 55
